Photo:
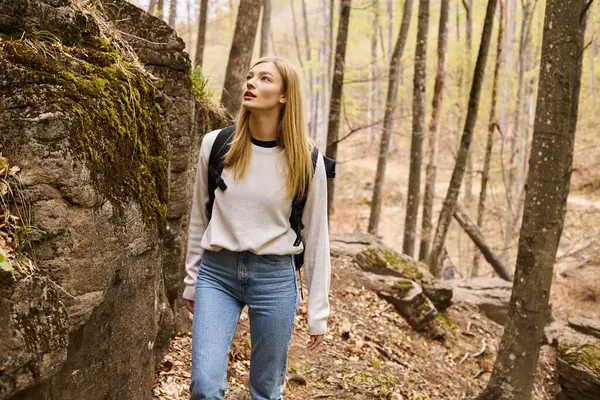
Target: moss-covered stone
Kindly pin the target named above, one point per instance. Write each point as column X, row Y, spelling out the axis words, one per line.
column 587, row 356
column 386, row 258
column 120, row 129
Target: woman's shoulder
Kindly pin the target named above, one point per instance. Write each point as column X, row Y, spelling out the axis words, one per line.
column 209, row 139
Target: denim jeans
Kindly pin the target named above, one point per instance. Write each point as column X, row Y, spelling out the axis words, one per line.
column 228, row 281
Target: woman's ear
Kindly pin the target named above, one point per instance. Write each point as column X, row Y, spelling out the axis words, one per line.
column 282, row 100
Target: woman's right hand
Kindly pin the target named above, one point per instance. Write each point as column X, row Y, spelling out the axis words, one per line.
column 190, row 305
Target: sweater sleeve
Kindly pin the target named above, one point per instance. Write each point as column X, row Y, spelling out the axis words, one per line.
column 316, row 257
column 198, row 218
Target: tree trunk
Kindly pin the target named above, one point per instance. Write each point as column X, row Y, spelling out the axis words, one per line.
column 465, row 143
column 517, row 133
column 240, row 54
column 296, row 35
column 160, row 9
column 388, row 119
column 372, row 113
column 172, row 13
column 201, row 33
column 265, row 29
column 152, row 6
column 469, row 173
column 434, row 128
column 321, row 133
column 336, row 93
column 475, row 234
column 490, row 138
column 550, row 168
column 310, row 94
column 591, row 56
column 390, row 28
column 418, row 131
column 511, row 17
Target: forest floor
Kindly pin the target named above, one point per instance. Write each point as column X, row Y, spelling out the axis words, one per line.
column 370, row 352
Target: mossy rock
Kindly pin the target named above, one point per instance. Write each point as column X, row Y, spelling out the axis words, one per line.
column 586, row 356
column 385, row 261
column 118, row 129
column 579, row 371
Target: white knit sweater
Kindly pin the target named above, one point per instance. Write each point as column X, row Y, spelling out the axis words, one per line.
column 253, row 215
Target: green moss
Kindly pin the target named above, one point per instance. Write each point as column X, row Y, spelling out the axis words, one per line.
column 587, row 356
column 402, row 287
column 120, row 129
column 395, row 261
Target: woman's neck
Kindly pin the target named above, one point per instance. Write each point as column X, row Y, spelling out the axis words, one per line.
column 264, row 126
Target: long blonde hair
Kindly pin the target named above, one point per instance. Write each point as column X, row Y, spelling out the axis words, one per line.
column 291, row 133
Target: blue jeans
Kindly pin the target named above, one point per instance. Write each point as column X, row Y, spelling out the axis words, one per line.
column 228, row 281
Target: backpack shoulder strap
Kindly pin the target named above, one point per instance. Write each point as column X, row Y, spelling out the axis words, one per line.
column 216, row 161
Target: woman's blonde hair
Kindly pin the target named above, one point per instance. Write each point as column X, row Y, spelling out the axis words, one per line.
column 291, row 133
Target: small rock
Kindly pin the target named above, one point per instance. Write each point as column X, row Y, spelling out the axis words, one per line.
column 297, row 379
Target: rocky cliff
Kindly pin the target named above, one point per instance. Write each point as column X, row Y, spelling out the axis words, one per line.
column 98, row 111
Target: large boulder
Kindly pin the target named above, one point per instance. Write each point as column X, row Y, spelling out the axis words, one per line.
column 381, row 260
column 490, row 295
column 351, row 243
column 578, row 359
column 407, row 297
column 107, row 152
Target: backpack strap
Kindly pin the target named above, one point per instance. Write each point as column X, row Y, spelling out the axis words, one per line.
column 216, row 162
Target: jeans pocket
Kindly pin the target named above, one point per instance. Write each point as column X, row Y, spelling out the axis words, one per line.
column 275, row 259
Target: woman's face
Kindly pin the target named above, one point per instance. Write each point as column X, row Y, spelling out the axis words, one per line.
column 263, row 88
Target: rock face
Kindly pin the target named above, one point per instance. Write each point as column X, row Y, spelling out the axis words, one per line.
column 490, row 295
column 351, row 243
column 578, row 359
column 107, row 156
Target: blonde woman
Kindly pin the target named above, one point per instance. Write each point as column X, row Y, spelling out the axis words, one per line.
column 241, row 242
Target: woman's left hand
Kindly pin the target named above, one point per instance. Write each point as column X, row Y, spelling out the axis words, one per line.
column 314, row 342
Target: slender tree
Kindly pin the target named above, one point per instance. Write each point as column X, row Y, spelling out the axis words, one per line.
column 372, row 112
column 336, row 93
column 418, row 131
column 240, row 54
column 311, row 94
column 465, row 143
column 265, row 29
column 550, row 167
column 468, row 4
column 388, row 118
column 493, row 123
column 152, row 6
column 172, row 13
column 201, row 32
column 434, row 128
column 517, row 132
column 296, row 35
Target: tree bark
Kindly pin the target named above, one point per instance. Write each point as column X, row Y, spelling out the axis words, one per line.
column 160, row 9
column 372, row 112
column 172, row 13
column 296, row 35
column 591, row 57
column 465, row 143
column 390, row 29
column 201, row 33
column 336, row 94
column 152, row 6
column 310, row 94
column 418, row 131
column 550, row 167
column 475, row 234
column 490, row 138
column 388, row 119
column 511, row 17
column 434, row 128
column 469, row 173
column 516, row 135
column 265, row 29
column 240, row 54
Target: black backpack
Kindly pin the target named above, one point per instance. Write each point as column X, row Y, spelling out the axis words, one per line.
column 215, row 168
